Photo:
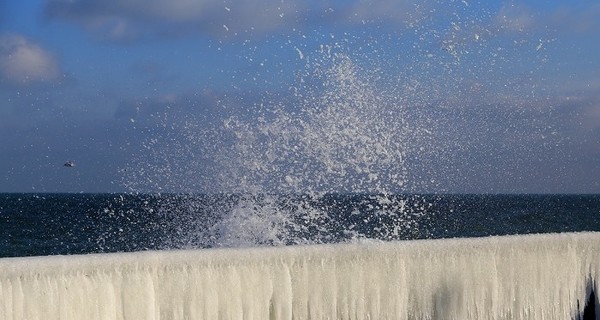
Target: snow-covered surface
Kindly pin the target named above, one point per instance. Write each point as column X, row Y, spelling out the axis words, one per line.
column 509, row 277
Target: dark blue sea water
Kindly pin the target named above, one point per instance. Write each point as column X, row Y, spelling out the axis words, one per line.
column 50, row 224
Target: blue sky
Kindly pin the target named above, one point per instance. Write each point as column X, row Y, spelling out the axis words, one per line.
column 505, row 94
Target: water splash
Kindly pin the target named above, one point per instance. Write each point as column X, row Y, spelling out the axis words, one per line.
column 346, row 128
column 346, row 138
column 270, row 171
column 342, row 135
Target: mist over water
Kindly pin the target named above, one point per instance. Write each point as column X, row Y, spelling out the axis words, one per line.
column 340, row 154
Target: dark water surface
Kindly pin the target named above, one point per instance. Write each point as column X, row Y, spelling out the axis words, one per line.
column 48, row 224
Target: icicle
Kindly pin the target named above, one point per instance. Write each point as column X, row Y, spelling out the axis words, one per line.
column 511, row 277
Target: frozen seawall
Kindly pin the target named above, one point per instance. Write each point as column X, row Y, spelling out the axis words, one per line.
column 511, row 277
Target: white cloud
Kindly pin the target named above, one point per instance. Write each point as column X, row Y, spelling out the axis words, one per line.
column 122, row 20
column 570, row 18
column 128, row 20
column 398, row 11
column 23, row 62
column 515, row 18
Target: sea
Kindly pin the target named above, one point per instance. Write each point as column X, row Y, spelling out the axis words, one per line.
column 332, row 159
column 37, row 224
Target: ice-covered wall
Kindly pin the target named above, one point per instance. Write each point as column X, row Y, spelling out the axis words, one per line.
column 512, row 277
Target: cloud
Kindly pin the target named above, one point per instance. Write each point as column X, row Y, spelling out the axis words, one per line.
column 124, row 20
column 177, row 107
column 396, row 12
column 585, row 108
column 578, row 20
column 515, row 18
column 23, row 62
column 567, row 19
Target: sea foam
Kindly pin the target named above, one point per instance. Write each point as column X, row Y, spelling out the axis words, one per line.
column 510, row 277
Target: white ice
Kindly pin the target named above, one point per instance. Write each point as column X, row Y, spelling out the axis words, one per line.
column 510, row 277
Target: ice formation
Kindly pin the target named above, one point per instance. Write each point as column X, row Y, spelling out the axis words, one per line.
column 511, row 277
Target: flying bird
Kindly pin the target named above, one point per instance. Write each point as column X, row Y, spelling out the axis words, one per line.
column 69, row 164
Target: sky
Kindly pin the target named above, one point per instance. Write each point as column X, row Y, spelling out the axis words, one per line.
column 499, row 96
